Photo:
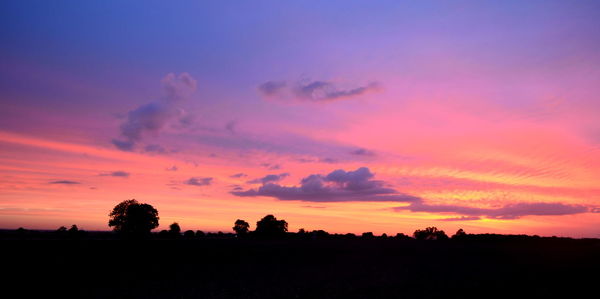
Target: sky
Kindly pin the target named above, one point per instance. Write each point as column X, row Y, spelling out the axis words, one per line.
column 346, row 116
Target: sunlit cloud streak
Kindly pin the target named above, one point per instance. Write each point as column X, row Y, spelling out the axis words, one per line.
column 509, row 211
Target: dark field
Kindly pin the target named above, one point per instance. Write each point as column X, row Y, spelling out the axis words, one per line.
column 329, row 268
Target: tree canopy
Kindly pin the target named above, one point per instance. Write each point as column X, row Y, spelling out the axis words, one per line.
column 430, row 233
column 270, row 226
column 241, row 227
column 132, row 217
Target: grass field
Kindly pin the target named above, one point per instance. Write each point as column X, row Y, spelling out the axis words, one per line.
column 301, row 268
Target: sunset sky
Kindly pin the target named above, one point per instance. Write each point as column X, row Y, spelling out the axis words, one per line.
column 347, row 116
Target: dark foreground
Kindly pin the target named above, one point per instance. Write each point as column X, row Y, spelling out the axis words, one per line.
column 232, row 268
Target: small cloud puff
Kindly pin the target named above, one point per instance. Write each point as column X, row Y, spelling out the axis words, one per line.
column 116, row 174
column 199, row 181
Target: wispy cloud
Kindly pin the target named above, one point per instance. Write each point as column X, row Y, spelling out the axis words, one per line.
column 269, row 178
column 362, row 152
column 313, row 91
column 64, row 182
column 116, row 174
column 199, row 181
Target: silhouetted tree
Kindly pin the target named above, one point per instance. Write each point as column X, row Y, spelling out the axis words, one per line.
column 459, row 235
column 188, row 234
column 269, row 226
column 174, row 229
column 241, row 227
column 133, row 218
column 401, row 236
column 368, row 235
column 320, row 234
column 74, row 231
column 430, row 233
column 384, row 236
column 200, row 234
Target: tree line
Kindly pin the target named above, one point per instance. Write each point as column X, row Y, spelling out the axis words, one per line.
column 134, row 220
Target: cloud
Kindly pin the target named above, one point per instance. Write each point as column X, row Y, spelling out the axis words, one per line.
column 462, row 218
column 236, row 187
column 323, row 91
column 269, row 178
column 230, row 126
column 64, row 182
column 328, row 160
column 312, row 91
column 321, row 160
column 509, row 211
column 116, row 174
column 177, row 88
column 272, row 88
column 155, row 148
column 152, row 118
column 172, row 168
column 362, row 152
column 337, row 186
column 270, row 166
column 124, row 145
column 238, row 175
column 199, row 181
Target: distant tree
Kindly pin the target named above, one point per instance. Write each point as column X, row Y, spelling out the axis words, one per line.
column 73, row 229
column 301, row 231
column 269, row 226
column 401, row 236
column 61, row 232
column 163, row 233
column 133, row 218
column 320, row 234
column 384, row 236
column 200, row 234
column 174, row 229
column 241, row 227
column 368, row 235
column 459, row 235
column 188, row 234
column 430, row 233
